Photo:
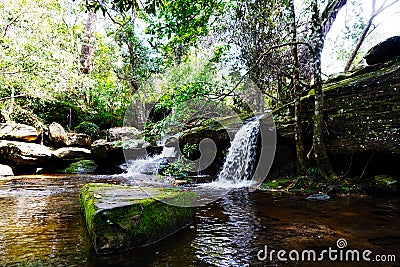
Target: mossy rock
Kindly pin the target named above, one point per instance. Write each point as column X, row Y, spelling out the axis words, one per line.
column 278, row 184
column 80, row 167
column 383, row 184
column 123, row 217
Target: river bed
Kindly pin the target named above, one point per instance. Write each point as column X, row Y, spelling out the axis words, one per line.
column 41, row 225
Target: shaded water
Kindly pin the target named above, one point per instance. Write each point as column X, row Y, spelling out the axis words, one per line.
column 40, row 225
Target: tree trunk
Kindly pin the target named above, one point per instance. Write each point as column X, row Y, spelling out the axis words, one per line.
column 320, row 153
column 298, row 131
column 87, row 46
column 11, row 109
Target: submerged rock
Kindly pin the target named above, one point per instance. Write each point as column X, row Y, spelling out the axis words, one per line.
column 81, row 167
column 18, row 132
column 318, row 197
column 123, row 217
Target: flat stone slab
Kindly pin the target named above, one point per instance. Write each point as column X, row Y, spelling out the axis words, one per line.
column 122, row 217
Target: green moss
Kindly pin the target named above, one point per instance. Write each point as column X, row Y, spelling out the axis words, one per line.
column 87, row 205
column 277, row 184
column 80, row 167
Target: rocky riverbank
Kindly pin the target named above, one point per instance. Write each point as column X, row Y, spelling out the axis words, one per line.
column 27, row 150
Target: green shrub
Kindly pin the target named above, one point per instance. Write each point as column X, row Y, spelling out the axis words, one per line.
column 179, row 168
column 89, row 128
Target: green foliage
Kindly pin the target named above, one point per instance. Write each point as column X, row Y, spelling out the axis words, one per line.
column 190, row 150
column 181, row 23
column 181, row 168
column 139, row 61
column 88, row 128
column 314, row 172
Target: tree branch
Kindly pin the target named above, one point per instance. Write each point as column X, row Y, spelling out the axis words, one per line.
column 10, row 97
column 261, row 56
column 367, row 30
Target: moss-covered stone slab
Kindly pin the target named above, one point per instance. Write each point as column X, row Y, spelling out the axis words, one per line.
column 122, row 217
column 361, row 111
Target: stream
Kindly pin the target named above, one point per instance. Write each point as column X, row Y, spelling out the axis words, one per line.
column 41, row 225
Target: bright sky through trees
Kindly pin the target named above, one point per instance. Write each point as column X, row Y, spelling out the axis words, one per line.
column 387, row 26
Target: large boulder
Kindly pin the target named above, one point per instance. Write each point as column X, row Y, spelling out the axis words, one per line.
column 361, row 118
column 219, row 131
column 24, row 155
column 72, row 153
column 122, row 133
column 78, row 140
column 18, row 132
column 123, row 217
column 109, row 155
column 384, row 51
column 5, row 170
column 57, row 134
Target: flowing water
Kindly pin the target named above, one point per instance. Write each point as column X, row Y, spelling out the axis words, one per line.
column 236, row 172
column 41, row 225
column 239, row 161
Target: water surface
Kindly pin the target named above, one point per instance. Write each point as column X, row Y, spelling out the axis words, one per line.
column 41, row 225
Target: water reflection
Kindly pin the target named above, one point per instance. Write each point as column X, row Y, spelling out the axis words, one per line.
column 40, row 223
column 225, row 238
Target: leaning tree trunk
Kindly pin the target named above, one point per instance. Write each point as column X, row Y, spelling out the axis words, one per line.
column 87, row 46
column 298, row 131
column 320, row 153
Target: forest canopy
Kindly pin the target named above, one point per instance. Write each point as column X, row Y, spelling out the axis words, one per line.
column 89, row 61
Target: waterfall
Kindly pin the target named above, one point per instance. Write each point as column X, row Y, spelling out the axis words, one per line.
column 239, row 162
column 238, row 167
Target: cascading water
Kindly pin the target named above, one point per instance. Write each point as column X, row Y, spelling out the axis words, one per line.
column 239, row 162
column 151, row 165
column 237, row 170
